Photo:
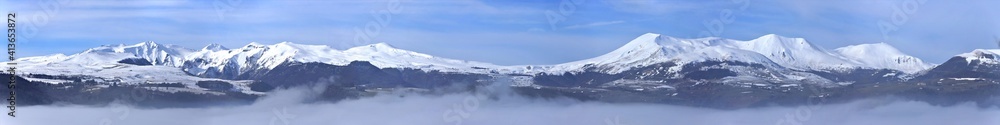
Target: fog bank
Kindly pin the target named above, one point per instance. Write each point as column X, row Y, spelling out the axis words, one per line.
column 284, row 108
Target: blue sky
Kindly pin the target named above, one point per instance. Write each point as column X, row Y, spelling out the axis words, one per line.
column 507, row 32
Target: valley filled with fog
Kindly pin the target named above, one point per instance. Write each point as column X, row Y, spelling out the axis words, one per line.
column 498, row 106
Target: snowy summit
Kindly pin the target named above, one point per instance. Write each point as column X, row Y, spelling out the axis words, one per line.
column 795, row 53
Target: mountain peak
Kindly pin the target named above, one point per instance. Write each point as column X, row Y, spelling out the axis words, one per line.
column 648, row 39
column 991, row 56
column 253, row 45
column 882, row 55
column 155, row 53
column 776, row 36
column 286, row 43
column 381, row 45
column 147, row 43
column 650, row 35
column 882, row 48
column 982, row 53
column 644, row 50
column 258, row 56
column 783, row 39
column 772, row 36
column 376, row 47
column 795, row 53
column 214, row 47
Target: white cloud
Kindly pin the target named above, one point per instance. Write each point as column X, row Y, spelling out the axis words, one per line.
column 666, row 7
column 594, row 24
column 505, row 109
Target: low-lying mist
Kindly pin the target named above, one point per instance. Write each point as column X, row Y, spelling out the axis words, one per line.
column 500, row 107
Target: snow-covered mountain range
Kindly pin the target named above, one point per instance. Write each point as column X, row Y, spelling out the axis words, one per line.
column 795, row 53
column 650, row 68
column 217, row 58
column 257, row 56
column 647, row 49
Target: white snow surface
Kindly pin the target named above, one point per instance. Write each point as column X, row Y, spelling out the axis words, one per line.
column 256, row 56
column 771, row 50
column 795, row 53
column 169, row 55
column 883, row 55
column 124, row 74
column 252, row 56
column 988, row 56
column 169, row 61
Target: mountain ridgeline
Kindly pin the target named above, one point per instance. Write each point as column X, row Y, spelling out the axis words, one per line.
column 706, row 72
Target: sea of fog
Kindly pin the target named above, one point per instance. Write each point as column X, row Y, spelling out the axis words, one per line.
column 285, row 107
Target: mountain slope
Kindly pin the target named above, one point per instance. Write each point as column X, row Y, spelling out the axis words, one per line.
column 977, row 64
column 157, row 54
column 216, row 61
column 262, row 57
column 883, row 55
column 707, row 72
column 648, row 49
column 984, row 56
column 793, row 53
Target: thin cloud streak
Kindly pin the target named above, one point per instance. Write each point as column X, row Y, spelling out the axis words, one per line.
column 595, row 24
